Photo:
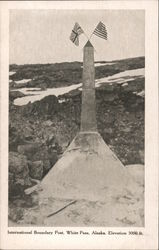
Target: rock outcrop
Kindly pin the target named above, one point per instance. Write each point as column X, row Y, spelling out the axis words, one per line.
column 36, row 169
column 15, row 94
column 46, row 107
column 18, row 174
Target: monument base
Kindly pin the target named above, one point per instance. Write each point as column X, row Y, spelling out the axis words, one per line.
column 87, row 170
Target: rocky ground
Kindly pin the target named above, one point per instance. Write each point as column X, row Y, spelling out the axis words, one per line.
column 40, row 132
column 67, row 73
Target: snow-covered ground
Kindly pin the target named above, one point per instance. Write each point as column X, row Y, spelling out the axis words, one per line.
column 103, row 64
column 141, row 93
column 35, row 94
column 98, row 64
column 121, row 77
column 12, row 73
column 23, row 81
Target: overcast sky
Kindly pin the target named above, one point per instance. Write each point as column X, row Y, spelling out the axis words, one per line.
column 42, row 36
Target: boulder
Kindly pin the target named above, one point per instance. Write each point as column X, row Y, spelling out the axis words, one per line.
column 126, row 129
column 53, row 144
column 129, row 88
column 105, row 95
column 28, row 149
column 108, row 87
column 16, row 213
column 47, row 106
column 142, row 156
column 15, row 137
column 19, row 134
column 51, row 140
column 47, row 165
column 107, row 119
column 107, row 134
column 17, row 163
column 36, row 169
column 12, row 85
column 108, row 131
column 47, row 123
column 43, row 155
column 15, row 94
column 53, row 157
column 27, row 130
column 18, row 174
column 110, row 97
column 15, row 190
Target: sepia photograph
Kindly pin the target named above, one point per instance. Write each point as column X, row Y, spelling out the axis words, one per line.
column 76, row 117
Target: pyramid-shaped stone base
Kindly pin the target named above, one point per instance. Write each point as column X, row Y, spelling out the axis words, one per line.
column 87, row 170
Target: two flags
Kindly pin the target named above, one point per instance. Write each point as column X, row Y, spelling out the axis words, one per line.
column 99, row 31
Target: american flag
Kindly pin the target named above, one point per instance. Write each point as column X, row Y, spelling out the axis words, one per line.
column 77, row 30
column 100, row 31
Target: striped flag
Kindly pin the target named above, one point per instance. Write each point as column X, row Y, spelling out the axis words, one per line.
column 76, row 32
column 100, row 31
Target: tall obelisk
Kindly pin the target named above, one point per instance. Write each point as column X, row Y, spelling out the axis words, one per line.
column 88, row 113
column 88, row 169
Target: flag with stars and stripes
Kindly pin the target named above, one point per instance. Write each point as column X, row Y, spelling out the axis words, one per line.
column 76, row 32
column 100, row 31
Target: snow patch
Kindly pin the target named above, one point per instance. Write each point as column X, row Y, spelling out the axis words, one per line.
column 142, row 93
column 38, row 95
column 23, row 81
column 12, row 73
column 125, row 84
column 118, row 78
column 62, row 100
column 101, row 64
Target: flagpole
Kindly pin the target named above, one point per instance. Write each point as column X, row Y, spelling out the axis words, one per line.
column 90, row 39
column 86, row 35
column 91, row 36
